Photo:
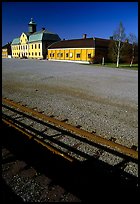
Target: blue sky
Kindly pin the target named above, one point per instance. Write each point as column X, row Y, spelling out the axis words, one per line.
column 70, row 20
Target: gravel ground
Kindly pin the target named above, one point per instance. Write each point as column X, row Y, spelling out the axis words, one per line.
column 99, row 99
column 102, row 100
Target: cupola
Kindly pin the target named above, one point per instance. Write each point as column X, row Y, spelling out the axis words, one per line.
column 32, row 26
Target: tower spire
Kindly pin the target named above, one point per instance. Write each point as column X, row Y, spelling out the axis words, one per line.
column 32, row 26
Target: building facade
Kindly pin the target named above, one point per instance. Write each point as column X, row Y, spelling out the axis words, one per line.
column 85, row 50
column 78, row 50
column 33, row 44
column 6, row 50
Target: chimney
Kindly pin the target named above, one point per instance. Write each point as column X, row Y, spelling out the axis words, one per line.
column 84, row 36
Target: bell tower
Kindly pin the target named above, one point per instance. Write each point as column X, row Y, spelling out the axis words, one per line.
column 32, row 26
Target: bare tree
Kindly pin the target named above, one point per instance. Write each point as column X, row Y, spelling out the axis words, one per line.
column 119, row 37
column 133, row 40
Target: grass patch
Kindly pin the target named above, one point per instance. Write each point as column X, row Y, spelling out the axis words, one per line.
column 122, row 66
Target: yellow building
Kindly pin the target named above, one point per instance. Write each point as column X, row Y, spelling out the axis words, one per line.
column 33, row 44
column 77, row 50
column 84, row 50
column 6, row 50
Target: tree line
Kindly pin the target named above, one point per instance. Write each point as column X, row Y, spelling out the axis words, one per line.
column 121, row 48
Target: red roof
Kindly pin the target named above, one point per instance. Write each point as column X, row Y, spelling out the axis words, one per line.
column 75, row 43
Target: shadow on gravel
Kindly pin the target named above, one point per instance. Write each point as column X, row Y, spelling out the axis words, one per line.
column 8, row 196
column 87, row 180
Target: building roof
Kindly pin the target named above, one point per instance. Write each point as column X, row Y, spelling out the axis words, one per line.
column 8, row 45
column 35, row 37
column 75, row 43
column 81, row 43
column 16, row 41
column 101, row 43
column 27, row 33
column 43, row 35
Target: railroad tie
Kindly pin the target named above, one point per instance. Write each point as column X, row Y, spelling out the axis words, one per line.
column 109, row 144
column 65, row 120
column 78, row 126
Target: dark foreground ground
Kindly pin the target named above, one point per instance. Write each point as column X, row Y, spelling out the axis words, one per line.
column 49, row 178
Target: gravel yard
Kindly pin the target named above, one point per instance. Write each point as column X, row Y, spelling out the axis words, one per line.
column 99, row 99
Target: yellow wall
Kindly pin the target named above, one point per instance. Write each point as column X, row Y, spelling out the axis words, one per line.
column 22, row 49
column 25, row 49
column 84, row 54
column 60, row 54
column 34, row 50
column 23, row 45
column 15, row 51
column 4, row 53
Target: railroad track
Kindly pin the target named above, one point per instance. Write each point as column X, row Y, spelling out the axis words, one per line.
column 70, row 142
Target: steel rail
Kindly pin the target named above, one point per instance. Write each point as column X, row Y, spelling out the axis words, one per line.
column 52, row 149
column 126, row 151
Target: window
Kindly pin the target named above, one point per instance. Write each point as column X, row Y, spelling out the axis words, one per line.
column 36, row 53
column 51, row 54
column 78, row 55
column 23, row 35
column 89, row 55
column 32, row 46
column 19, row 47
column 39, row 53
column 71, row 54
column 67, row 54
column 29, row 53
column 35, row 46
column 61, row 54
column 39, row 46
column 26, row 46
column 21, row 40
column 32, row 53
